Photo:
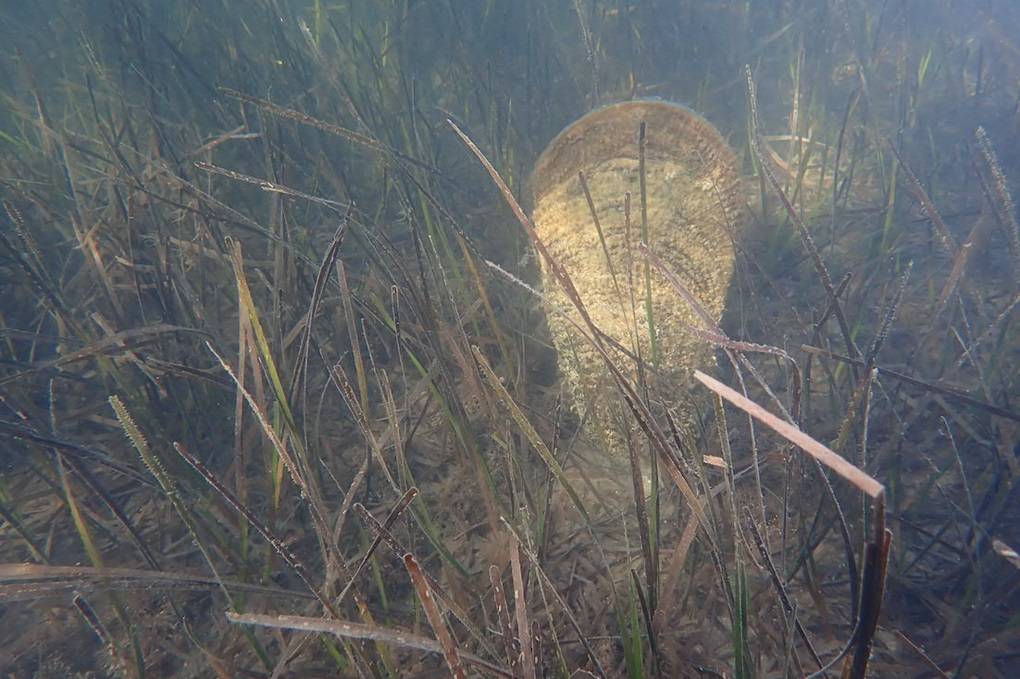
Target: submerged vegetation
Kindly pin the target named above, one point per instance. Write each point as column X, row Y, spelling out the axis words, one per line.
column 277, row 394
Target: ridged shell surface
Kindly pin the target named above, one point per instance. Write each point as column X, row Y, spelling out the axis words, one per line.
column 693, row 204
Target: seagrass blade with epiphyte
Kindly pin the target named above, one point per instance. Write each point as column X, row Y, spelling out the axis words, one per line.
column 638, row 171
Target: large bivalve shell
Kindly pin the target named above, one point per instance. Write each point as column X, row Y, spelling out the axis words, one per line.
column 693, row 203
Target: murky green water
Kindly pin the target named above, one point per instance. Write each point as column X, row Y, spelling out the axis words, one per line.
column 275, row 342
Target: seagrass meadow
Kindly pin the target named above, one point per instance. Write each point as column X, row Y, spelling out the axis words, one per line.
column 312, row 364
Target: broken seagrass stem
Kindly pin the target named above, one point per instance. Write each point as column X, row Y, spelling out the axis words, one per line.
column 658, row 173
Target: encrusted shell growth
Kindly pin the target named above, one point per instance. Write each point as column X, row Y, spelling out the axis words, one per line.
column 694, row 204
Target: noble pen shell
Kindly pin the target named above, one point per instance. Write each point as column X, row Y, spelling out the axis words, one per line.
column 693, row 206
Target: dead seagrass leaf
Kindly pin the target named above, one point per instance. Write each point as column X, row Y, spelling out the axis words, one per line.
column 693, row 205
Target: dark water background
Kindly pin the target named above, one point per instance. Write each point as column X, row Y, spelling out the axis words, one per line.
column 141, row 141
